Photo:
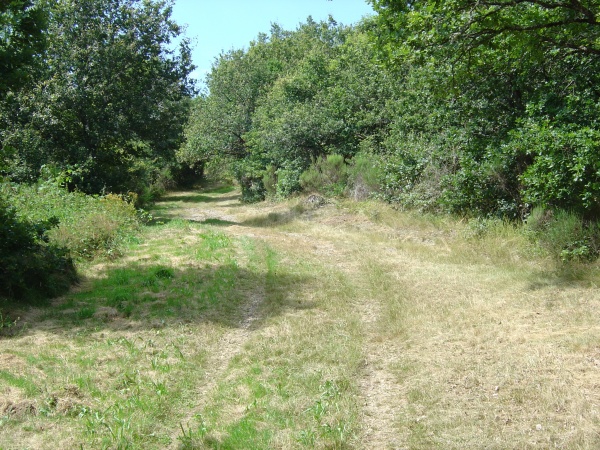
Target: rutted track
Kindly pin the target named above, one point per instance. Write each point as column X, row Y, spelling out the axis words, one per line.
column 337, row 243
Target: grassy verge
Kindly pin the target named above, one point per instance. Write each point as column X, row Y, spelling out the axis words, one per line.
column 88, row 226
column 294, row 384
column 108, row 366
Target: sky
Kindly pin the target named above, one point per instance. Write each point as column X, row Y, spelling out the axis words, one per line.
column 221, row 25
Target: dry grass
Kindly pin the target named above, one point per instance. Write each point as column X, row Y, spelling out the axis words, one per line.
column 288, row 326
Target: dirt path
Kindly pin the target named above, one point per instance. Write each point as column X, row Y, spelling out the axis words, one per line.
column 381, row 394
column 286, row 325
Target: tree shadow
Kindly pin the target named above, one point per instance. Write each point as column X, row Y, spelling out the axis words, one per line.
column 196, row 198
column 138, row 296
column 161, row 220
column 275, row 218
column 218, row 189
column 563, row 276
column 218, row 222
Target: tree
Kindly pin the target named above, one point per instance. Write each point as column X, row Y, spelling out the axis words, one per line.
column 289, row 99
column 22, row 41
column 220, row 120
column 569, row 25
column 114, row 96
column 521, row 93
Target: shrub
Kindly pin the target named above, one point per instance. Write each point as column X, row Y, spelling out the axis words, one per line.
column 288, row 179
column 87, row 226
column 249, row 174
column 564, row 166
column 31, row 269
column 565, row 235
column 411, row 173
column 327, row 175
column 270, row 182
column 365, row 176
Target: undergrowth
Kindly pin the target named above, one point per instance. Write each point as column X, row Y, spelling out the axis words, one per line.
column 87, row 226
column 30, row 268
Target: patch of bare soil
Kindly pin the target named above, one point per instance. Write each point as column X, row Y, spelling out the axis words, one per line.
column 20, row 409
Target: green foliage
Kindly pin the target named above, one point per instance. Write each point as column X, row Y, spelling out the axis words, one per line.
column 565, row 166
column 327, row 175
column 22, row 41
column 250, row 177
column 31, row 269
column 86, row 226
column 365, row 175
column 469, row 25
column 110, row 101
column 291, row 98
column 288, row 178
column 565, row 235
column 473, row 108
column 270, row 182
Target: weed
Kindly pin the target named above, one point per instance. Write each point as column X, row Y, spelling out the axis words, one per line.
column 192, row 438
column 88, row 226
column 565, row 235
column 29, row 388
column 7, row 324
column 86, row 312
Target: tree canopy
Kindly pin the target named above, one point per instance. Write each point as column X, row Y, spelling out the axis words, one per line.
column 110, row 100
column 22, row 41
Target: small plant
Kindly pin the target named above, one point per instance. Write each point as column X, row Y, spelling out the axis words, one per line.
column 365, row 176
column 192, row 438
column 7, row 324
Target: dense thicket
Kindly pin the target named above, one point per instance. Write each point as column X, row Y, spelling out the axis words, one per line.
column 484, row 108
column 30, row 268
column 521, row 88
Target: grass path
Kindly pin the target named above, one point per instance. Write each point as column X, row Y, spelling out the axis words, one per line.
column 233, row 326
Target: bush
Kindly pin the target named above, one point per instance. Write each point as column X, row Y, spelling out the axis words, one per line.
column 288, row 179
column 157, row 183
column 412, row 172
column 564, row 166
column 88, row 226
column 365, row 176
column 327, row 175
column 565, row 235
column 270, row 182
column 250, row 178
column 31, row 269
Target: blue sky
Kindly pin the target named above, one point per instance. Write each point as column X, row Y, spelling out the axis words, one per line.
column 217, row 25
